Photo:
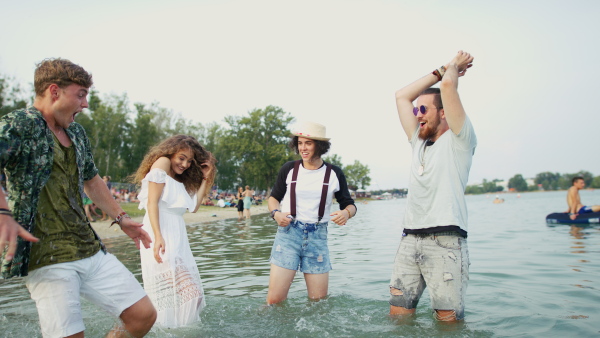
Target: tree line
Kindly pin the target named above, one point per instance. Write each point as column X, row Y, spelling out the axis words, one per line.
column 250, row 149
column 543, row 181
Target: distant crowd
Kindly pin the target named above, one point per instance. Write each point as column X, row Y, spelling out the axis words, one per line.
column 227, row 199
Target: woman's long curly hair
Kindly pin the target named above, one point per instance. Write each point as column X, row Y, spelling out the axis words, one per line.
column 192, row 177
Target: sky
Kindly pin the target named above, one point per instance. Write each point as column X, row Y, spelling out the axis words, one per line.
column 530, row 93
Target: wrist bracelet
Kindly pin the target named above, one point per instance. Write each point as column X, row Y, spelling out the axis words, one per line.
column 273, row 213
column 6, row 212
column 120, row 218
column 442, row 71
column 437, row 74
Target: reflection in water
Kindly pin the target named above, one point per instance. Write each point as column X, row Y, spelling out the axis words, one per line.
column 578, row 233
column 521, row 279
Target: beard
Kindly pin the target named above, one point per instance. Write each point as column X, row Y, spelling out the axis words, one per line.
column 430, row 130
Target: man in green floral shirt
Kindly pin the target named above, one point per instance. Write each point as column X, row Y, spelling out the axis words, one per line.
column 44, row 233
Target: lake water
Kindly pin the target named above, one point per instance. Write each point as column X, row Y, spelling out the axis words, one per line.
column 527, row 278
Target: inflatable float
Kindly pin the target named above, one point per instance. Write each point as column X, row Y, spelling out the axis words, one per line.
column 563, row 218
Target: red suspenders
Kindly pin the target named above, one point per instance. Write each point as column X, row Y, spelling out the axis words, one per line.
column 323, row 191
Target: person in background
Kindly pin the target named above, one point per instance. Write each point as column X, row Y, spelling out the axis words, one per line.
column 248, row 200
column 87, row 205
column 240, row 205
column 574, row 200
column 175, row 176
column 433, row 249
column 49, row 164
column 300, row 203
column 106, row 180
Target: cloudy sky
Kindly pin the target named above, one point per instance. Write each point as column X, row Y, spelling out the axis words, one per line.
column 530, row 93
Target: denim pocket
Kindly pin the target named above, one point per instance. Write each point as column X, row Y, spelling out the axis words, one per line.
column 285, row 229
column 449, row 242
column 322, row 232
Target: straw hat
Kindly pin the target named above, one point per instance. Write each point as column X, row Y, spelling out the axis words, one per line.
column 311, row 130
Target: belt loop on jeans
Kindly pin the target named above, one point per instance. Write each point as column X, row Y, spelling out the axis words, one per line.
column 309, row 227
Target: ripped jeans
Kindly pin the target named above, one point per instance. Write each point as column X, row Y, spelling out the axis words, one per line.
column 302, row 246
column 439, row 261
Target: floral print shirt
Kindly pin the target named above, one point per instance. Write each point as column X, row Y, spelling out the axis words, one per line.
column 26, row 156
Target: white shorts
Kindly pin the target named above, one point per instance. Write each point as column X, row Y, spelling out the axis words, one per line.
column 102, row 279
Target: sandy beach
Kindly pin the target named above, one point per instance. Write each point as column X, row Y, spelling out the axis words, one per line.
column 203, row 215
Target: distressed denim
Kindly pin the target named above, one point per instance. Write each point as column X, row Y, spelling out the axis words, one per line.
column 302, row 246
column 438, row 261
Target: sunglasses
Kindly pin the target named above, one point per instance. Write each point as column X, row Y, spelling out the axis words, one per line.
column 422, row 109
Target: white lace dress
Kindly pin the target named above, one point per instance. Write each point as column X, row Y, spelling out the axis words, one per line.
column 174, row 286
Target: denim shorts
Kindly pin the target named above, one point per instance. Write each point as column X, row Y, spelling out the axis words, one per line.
column 439, row 261
column 101, row 279
column 302, row 246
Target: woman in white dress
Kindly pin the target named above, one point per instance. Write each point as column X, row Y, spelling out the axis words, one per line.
column 175, row 175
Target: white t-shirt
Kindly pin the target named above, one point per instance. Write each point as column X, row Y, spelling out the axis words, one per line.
column 437, row 198
column 308, row 191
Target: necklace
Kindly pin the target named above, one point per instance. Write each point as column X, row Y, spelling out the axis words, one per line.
column 422, row 156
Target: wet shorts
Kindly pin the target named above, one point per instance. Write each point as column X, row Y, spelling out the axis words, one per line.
column 585, row 210
column 438, row 261
column 102, row 279
column 302, row 246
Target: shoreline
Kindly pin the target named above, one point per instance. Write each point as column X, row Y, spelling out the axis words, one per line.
column 104, row 230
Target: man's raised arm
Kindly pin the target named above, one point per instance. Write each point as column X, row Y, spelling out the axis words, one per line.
column 405, row 98
column 453, row 108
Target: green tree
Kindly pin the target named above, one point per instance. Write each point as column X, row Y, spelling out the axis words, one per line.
column 595, row 182
column 143, row 135
column 474, row 190
column 548, row 180
column 259, row 144
column 334, row 159
column 224, row 151
column 518, row 183
column 12, row 96
column 490, row 186
column 357, row 175
column 187, row 127
column 109, row 135
column 564, row 182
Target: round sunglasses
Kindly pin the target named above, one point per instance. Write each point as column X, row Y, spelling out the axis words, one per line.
column 422, row 109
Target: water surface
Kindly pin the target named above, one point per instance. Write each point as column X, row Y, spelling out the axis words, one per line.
column 527, row 279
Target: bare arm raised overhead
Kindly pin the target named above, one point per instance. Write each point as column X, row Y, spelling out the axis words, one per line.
column 453, row 108
column 405, row 96
column 404, row 102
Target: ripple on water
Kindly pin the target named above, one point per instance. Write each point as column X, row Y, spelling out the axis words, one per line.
column 527, row 279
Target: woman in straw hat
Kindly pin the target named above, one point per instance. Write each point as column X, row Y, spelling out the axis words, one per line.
column 300, row 203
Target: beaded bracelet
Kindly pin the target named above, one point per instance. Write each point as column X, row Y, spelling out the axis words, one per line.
column 120, row 218
column 349, row 213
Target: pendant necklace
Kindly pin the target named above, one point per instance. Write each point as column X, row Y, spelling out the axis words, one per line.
column 423, row 148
